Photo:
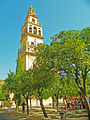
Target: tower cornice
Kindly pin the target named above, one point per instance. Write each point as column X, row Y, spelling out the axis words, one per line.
column 31, row 35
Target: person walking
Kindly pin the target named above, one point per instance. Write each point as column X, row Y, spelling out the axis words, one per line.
column 73, row 104
column 68, row 104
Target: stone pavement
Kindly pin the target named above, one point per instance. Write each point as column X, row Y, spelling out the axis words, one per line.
column 7, row 116
column 36, row 114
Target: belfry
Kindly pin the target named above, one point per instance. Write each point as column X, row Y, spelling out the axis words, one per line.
column 31, row 35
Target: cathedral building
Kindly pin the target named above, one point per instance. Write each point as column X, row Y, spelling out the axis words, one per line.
column 31, row 35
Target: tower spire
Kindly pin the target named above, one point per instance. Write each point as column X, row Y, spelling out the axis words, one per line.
column 31, row 6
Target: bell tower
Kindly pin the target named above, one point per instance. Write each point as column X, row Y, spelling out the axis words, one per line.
column 31, row 35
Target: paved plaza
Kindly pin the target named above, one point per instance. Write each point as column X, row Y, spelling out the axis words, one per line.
column 7, row 116
column 36, row 114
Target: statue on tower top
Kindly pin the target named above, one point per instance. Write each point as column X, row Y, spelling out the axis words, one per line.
column 31, row 12
column 31, row 6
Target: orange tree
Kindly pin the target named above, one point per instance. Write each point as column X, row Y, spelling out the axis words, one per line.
column 72, row 58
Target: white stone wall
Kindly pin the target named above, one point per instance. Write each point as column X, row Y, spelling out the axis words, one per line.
column 26, row 62
column 33, row 39
column 29, row 61
column 35, row 102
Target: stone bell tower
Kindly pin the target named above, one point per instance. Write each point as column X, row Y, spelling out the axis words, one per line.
column 31, row 35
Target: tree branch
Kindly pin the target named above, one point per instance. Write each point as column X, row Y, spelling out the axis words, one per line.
column 24, row 96
column 88, row 70
column 76, row 80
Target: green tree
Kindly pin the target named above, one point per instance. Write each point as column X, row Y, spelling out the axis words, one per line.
column 17, row 82
column 8, row 86
column 88, row 84
column 26, row 86
column 19, row 65
column 42, row 76
column 3, row 95
column 62, row 87
column 59, row 67
column 13, row 82
column 73, row 58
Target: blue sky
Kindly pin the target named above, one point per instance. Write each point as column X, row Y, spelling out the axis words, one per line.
column 55, row 15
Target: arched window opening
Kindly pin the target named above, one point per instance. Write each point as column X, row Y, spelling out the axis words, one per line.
column 30, row 29
column 32, row 43
column 35, row 30
column 33, row 20
column 39, row 32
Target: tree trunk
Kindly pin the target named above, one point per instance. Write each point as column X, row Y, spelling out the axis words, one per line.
column 30, row 104
column 16, row 105
column 16, row 100
column 53, row 102
column 43, row 109
column 83, row 88
column 57, row 102
column 27, row 106
column 81, row 102
column 87, row 106
column 37, row 102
